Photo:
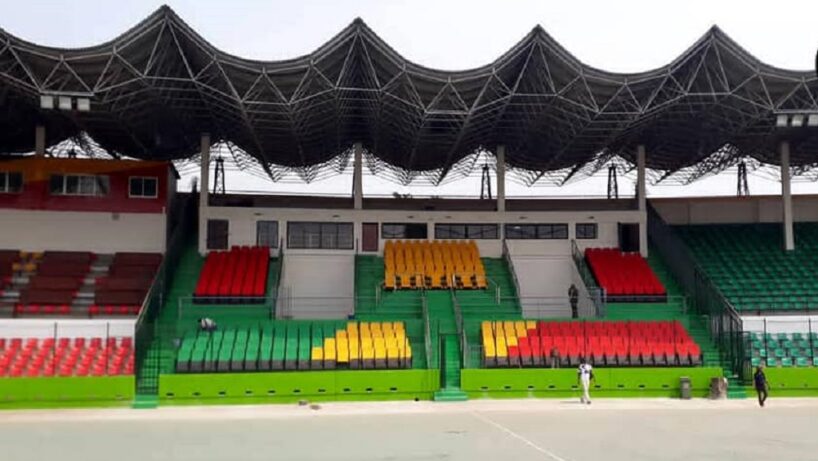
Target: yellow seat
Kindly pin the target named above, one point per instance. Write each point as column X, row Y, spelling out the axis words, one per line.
column 343, row 350
column 330, row 349
column 317, row 353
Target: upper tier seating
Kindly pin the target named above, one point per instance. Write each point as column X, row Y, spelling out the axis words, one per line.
column 54, row 286
column 436, row 264
column 123, row 290
column 611, row 343
column 235, row 276
column 8, row 260
column 624, row 276
column 782, row 349
column 33, row 357
column 747, row 264
column 297, row 345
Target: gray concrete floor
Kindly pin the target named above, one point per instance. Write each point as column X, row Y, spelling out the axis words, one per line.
column 610, row 430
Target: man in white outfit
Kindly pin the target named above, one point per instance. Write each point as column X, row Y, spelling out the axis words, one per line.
column 585, row 373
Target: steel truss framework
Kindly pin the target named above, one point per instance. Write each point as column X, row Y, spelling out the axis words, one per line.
column 157, row 86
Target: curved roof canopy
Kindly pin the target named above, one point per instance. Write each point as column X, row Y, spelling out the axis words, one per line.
column 154, row 88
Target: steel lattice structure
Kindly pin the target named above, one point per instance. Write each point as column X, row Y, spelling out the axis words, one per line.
column 157, row 86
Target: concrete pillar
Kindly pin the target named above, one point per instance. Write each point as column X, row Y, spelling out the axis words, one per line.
column 39, row 140
column 786, row 193
column 501, row 178
column 204, row 190
column 357, row 176
column 641, row 197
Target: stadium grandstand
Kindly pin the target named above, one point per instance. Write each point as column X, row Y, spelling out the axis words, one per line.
column 107, row 266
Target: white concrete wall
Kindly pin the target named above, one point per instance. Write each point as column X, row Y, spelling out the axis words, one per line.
column 66, row 328
column 729, row 210
column 98, row 232
column 317, row 285
column 780, row 323
column 243, row 224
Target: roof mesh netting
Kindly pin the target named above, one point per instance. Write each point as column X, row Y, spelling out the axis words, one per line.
column 154, row 88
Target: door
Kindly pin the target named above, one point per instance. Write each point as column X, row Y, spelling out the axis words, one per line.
column 369, row 236
column 217, row 230
column 629, row 237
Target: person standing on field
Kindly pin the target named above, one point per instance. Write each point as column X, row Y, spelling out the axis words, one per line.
column 762, row 388
column 585, row 374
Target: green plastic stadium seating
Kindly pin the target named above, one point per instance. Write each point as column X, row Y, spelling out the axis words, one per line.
column 746, row 262
column 783, row 349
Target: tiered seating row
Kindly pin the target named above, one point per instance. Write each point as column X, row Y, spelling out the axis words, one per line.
column 34, row 357
column 747, row 264
column 52, row 290
column 434, row 265
column 234, row 275
column 783, row 349
column 124, row 289
column 8, row 260
column 613, row 343
column 624, row 275
column 297, row 346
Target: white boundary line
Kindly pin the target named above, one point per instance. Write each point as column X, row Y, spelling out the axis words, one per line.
column 518, row 436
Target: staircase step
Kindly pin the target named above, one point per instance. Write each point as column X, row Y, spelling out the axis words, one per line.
column 450, row 395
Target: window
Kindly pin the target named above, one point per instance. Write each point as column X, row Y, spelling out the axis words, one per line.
column 537, row 231
column 467, row 231
column 267, row 234
column 404, row 231
column 11, row 182
column 319, row 235
column 586, row 230
column 72, row 184
column 143, row 187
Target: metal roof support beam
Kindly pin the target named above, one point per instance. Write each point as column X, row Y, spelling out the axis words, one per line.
column 39, row 140
column 641, row 197
column 501, row 178
column 357, row 175
column 204, row 182
column 786, row 193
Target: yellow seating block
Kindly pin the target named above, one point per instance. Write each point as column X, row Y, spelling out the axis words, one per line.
column 317, row 353
column 343, row 350
column 330, row 349
column 367, row 353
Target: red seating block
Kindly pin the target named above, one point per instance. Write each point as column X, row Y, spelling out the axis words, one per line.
column 623, row 274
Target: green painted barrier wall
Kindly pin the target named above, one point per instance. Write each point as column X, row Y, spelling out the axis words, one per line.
column 792, row 382
column 608, row 382
column 248, row 388
column 61, row 392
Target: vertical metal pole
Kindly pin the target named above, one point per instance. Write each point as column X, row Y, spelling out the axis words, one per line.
column 39, row 140
column 641, row 196
column 357, row 176
column 501, row 178
column 786, row 192
column 204, row 183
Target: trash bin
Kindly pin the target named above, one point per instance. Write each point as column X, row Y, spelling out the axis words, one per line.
column 685, row 389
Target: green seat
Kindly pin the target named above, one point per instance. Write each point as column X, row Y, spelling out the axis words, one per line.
column 755, row 361
column 772, row 362
column 801, row 362
column 786, row 362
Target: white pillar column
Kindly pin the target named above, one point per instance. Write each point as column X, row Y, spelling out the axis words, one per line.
column 204, row 186
column 39, row 140
column 501, row 178
column 357, row 176
column 641, row 193
column 786, row 193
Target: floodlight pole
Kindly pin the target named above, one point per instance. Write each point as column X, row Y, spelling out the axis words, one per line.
column 786, row 192
column 357, row 175
column 39, row 140
column 641, row 197
column 501, row 178
column 204, row 183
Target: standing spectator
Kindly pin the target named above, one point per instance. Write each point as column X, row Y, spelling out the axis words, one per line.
column 207, row 324
column 762, row 388
column 573, row 298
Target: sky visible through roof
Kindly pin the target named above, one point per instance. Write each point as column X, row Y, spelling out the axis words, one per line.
column 621, row 36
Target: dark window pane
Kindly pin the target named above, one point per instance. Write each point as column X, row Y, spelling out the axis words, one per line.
column 586, row 230
column 345, row 236
column 135, row 187
column 3, row 177
column 72, row 185
column 404, row 231
column 149, row 187
column 481, row 231
column 15, row 181
column 521, row 231
column 267, row 234
column 56, row 184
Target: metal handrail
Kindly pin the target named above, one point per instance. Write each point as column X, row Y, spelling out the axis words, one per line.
column 507, row 257
column 596, row 292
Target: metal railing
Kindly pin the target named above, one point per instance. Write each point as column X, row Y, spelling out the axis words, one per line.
column 509, row 263
column 725, row 324
column 595, row 292
column 147, row 366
